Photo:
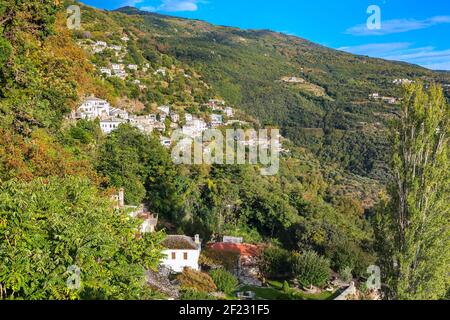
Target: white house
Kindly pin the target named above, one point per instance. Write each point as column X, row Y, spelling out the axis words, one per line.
column 164, row 109
column 229, row 112
column 119, row 70
column 402, row 81
column 188, row 117
column 117, row 67
column 101, row 44
column 161, row 72
column 174, row 117
column 389, row 100
column 106, row 71
column 111, row 124
column 293, row 80
column 119, row 113
column 165, row 142
column 133, row 67
column 120, row 74
column 181, row 252
column 159, row 126
column 216, row 119
column 93, row 108
column 125, row 38
column 116, row 48
column 194, row 127
column 152, row 117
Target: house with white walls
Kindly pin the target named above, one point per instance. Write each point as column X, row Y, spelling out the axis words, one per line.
column 132, row 67
column 117, row 66
column 118, row 70
column 165, row 141
column 116, row 48
column 119, row 113
column 216, row 120
column 181, row 252
column 101, row 44
column 149, row 220
column 93, row 108
column 110, row 124
column 188, row 117
column 194, row 128
column 106, row 71
column 402, row 81
column 164, row 109
column 160, row 71
column 229, row 112
column 174, row 117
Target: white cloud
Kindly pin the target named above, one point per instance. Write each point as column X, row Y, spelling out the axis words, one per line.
column 148, row 8
column 173, row 6
column 398, row 26
column 131, row 3
column 428, row 56
column 178, row 5
column 376, row 49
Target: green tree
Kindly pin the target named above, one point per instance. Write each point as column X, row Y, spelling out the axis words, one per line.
column 311, row 269
column 138, row 162
column 413, row 226
column 276, row 262
column 47, row 226
column 225, row 281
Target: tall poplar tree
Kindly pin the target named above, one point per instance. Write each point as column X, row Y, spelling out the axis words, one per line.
column 414, row 228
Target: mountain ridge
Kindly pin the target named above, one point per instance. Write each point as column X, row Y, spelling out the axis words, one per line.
column 326, row 108
column 130, row 10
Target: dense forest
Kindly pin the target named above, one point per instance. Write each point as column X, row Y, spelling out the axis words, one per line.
column 57, row 177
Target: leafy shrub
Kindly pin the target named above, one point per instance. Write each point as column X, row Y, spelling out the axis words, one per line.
column 192, row 294
column 286, row 288
column 275, row 262
column 311, row 269
column 224, row 280
column 192, row 279
column 346, row 274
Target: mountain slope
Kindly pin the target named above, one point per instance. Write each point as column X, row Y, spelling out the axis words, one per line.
column 325, row 109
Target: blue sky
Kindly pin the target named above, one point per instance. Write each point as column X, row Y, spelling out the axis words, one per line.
column 415, row 31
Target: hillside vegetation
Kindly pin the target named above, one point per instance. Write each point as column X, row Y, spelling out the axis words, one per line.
column 57, row 176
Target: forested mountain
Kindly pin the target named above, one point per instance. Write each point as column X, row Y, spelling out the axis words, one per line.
column 57, row 176
column 327, row 109
column 330, row 112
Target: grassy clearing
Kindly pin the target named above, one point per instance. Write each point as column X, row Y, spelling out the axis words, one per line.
column 275, row 292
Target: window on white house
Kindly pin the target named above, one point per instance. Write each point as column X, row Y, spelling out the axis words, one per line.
column 185, row 255
column 174, row 255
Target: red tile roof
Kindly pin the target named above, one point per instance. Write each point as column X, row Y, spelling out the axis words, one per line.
column 249, row 250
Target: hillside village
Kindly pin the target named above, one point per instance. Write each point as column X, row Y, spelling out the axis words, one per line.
column 95, row 206
column 164, row 120
column 186, row 256
column 183, row 253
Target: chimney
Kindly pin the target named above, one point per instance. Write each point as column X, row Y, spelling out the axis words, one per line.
column 121, row 197
column 197, row 239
